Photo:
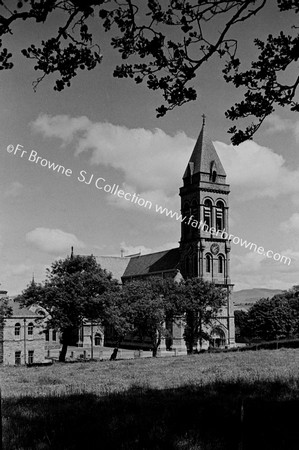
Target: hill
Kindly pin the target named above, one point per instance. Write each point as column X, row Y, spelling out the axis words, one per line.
column 246, row 297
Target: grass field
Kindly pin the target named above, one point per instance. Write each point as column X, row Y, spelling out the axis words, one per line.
column 247, row 400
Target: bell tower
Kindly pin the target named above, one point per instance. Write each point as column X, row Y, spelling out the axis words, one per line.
column 204, row 244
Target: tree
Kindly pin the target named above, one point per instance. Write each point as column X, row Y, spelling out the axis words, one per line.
column 200, row 305
column 275, row 318
column 5, row 310
column 240, row 325
column 71, row 294
column 168, row 42
column 141, row 308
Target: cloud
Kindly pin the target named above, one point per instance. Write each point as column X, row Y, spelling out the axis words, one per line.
column 277, row 125
column 292, row 224
column 131, row 250
column 257, row 171
column 61, row 126
column 251, row 270
column 152, row 162
column 53, row 240
column 14, row 189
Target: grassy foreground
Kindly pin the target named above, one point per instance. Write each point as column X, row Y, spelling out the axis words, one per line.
column 227, row 401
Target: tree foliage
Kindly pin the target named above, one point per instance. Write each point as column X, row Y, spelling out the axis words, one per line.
column 275, row 318
column 5, row 310
column 71, row 294
column 141, row 308
column 165, row 44
column 201, row 304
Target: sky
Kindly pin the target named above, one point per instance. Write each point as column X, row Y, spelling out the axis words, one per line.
column 106, row 128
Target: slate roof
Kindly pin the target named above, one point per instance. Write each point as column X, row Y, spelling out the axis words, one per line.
column 154, row 262
column 114, row 264
column 18, row 312
column 203, row 154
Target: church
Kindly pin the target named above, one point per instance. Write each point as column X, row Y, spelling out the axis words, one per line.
column 204, row 250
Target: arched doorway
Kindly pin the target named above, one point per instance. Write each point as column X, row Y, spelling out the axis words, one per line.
column 218, row 338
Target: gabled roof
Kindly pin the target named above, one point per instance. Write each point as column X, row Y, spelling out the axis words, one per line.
column 154, row 262
column 114, row 264
column 203, row 155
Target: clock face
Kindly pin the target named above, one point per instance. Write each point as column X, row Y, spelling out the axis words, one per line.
column 214, row 249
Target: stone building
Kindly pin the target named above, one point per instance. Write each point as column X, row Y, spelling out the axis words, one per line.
column 22, row 337
column 204, row 249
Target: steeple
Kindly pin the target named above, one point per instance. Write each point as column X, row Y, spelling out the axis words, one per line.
column 204, row 158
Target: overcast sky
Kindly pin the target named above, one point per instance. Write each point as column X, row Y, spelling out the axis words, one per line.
column 107, row 128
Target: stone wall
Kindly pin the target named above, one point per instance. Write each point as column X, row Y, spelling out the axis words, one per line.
column 23, row 343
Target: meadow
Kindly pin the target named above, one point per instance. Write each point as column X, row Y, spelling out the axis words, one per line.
column 241, row 400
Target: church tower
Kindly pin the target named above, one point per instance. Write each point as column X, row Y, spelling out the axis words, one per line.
column 204, row 245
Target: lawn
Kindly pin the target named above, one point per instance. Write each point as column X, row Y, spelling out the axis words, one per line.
column 246, row 400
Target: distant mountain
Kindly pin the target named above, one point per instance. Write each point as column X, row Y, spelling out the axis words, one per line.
column 249, row 296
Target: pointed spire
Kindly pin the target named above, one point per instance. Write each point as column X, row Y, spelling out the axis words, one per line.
column 72, row 252
column 33, row 280
column 204, row 155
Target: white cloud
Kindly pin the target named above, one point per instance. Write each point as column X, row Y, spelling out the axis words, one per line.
column 251, row 270
column 257, row 171
column 292, row 224
column 131, row 250
column 277, row 125
column 61, row 126
column 152, row 162
column 14, row 189
column 53, row 240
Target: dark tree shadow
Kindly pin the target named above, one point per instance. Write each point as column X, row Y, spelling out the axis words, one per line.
column 230, row 416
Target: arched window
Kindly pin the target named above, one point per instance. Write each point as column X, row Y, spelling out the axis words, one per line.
column 195, row 216
column 207, row 212
column 208, row 263
column 186, row 214
column 47, row 335
column 220, row 264
column 219, row 216
column 195, row 265
column 30, row 329
column 17, row 329
column 194, row 209
column 213, row 172
column 54, row 335
column 97, row 339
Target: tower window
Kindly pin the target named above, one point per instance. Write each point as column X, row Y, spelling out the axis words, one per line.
column 214, row 176
column 220, row 264
column 219, row 216
column 195, row 265
column 194, row 209
column 208, row 263
column 208, row 213
column 186, row 214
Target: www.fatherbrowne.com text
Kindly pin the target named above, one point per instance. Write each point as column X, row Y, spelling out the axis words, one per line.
column 114, row 189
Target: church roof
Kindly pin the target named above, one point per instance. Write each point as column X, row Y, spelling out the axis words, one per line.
column 203, row 155
column 114, row 264
column 153, row 262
